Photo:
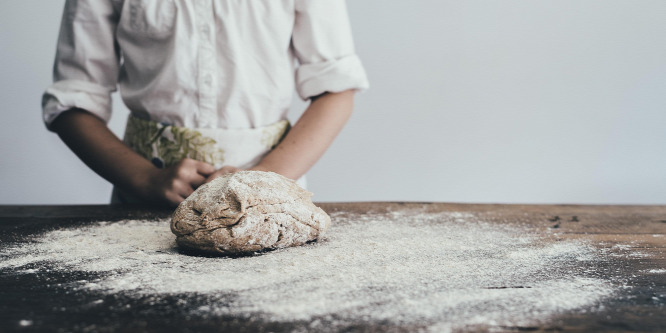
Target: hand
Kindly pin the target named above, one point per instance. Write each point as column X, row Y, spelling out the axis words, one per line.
column 222, row 171
column 175, row 183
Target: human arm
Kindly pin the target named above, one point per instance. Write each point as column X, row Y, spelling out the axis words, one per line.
column 78, row 105
column 92, row 141
column 329, row 74
column 311, row 136
column 308, row 139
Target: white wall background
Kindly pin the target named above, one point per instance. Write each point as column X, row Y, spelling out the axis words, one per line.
column 523, row 101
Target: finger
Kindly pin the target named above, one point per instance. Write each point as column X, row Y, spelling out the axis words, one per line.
column 222, row 171
column 196, row 180
column 230, row 169
column 204, row 168
column 174, row 199
column 217, row 173
column 183, row 189
column 187, row 170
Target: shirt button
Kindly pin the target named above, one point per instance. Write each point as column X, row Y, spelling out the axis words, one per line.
column 206, row 30
column 208, row 79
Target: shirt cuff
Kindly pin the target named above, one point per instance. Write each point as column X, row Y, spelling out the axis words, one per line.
column 331, row 76
column 68, row 94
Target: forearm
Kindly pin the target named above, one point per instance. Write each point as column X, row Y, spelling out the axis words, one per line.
column 92, row 141
column 311, row 136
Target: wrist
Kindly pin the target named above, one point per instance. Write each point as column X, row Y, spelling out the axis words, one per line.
column 280, row 169
column 261, row 167
column 141, row 178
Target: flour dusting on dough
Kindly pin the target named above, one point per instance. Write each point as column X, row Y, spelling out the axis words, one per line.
column 248, row 211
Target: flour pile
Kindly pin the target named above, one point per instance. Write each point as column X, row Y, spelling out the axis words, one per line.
column 433, row 271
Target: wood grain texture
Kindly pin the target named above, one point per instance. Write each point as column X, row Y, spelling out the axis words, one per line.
column 632, row 239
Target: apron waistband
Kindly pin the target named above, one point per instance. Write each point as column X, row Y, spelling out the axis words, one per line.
column 165, row 145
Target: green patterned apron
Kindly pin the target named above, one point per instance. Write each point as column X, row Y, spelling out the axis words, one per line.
column 165, row 145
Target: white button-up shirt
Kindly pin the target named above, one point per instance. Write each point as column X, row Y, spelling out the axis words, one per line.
column 201, row 63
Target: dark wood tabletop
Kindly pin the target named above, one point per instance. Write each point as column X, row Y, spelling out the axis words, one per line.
column 641, row 307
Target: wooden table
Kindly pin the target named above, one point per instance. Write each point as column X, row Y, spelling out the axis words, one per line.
column 642, row 307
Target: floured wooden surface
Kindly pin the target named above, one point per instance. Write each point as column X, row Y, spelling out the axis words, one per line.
column 382, row 267
column 441, row 271
column 248, row 211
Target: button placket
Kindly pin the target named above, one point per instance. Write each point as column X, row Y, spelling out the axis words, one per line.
column 206, row 64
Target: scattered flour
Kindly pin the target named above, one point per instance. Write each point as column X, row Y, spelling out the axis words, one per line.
column 625, row 250
column 25, row 322
column 438, row 271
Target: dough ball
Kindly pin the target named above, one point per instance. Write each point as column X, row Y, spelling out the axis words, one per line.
column 247, row 211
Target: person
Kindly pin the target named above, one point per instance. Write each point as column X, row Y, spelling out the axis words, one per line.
column 208, row 84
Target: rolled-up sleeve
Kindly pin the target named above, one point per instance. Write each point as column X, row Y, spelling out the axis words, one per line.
column 87, row 61
column 323, row 44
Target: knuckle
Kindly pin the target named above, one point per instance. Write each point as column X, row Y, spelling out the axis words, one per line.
column 182, row 172
column 186, row 161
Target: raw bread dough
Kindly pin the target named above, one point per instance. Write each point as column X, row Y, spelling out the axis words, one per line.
column 247, row 211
